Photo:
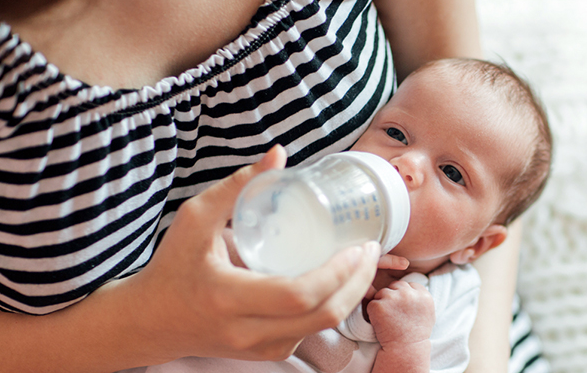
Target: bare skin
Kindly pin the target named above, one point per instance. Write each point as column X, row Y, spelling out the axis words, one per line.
column 98, row 43
column 437, row 29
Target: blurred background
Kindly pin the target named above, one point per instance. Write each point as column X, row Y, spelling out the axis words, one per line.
column 545, row 41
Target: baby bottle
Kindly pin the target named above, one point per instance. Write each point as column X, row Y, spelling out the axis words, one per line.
column 290, row 221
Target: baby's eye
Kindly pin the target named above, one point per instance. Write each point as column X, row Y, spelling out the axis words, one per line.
column 398, row 135
column 453, row 174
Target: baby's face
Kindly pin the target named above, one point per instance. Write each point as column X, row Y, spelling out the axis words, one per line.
column 452, row 146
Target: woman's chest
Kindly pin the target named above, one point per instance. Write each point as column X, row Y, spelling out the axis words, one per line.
column 130, row 44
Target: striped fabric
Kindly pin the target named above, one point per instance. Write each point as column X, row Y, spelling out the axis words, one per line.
column 90, row 177
column 526, row 349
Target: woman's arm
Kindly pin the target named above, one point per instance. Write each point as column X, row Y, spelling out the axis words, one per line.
column 489, row 343
column 423, row 30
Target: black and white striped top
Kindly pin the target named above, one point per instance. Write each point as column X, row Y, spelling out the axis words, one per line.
column 90, row 177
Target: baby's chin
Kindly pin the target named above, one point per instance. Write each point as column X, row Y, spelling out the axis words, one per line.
column 419, row 265
column 426, row 266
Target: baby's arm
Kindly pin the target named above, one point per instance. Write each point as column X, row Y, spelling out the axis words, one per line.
column 402, row 316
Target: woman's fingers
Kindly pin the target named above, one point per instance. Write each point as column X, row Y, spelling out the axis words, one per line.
column 294, row 308
column 251, row 315
column 348, row 273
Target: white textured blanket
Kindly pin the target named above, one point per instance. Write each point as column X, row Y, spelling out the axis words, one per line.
column 546, row 41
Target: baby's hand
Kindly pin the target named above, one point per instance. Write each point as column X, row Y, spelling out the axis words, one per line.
column 402, row 313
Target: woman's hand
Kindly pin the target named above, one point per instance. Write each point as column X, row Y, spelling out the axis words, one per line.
column 193, row 301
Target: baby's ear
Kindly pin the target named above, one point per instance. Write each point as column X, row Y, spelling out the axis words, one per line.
column 493, row 236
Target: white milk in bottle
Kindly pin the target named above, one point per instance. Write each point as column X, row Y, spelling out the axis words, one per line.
column 288, row 222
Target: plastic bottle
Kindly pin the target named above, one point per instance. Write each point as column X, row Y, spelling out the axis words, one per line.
column 290, row 221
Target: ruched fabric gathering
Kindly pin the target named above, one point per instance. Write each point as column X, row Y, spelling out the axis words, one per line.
column 90, row 177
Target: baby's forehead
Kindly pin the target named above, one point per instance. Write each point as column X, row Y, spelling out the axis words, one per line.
column 501, row 135
column 496, row 123
column 514, row 145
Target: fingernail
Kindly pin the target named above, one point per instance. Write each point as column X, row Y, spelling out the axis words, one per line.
column 354, row 255
column 373, row 249
column 265, row 161
column 268, row 159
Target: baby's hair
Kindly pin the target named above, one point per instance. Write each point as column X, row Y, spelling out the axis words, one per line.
column 523, row 187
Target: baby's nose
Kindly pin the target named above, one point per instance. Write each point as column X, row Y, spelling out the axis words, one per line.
column 411, row 169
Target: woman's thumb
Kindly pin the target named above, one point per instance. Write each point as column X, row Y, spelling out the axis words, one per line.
column 218, row 200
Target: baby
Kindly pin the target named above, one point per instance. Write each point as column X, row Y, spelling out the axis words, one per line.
column 473, row 146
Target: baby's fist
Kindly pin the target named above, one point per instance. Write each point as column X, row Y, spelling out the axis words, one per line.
column 402, row 313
